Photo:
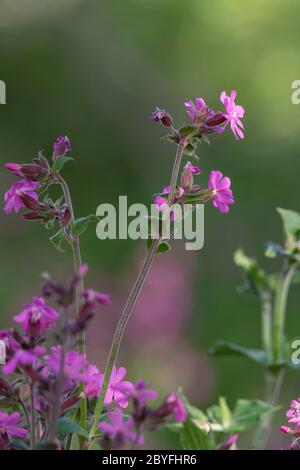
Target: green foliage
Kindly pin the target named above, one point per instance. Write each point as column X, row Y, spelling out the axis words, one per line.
column 67, row 425
column 194, row 438
column 58, row 238
column 224, row 348
column 291, row 222
column 60, row 163
column 163, row 246
column 256, row 278
column 82, row 223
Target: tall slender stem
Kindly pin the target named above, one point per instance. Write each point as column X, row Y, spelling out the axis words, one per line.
column 118, row 335
column 266, row 324
column 279, row 312
column 75, row 241
column 274, row 348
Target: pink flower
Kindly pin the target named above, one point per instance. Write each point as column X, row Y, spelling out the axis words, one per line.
column 118, row 389
column 294, row 412
column 9, row 425
column 61, row 146
column 118, row 430
column 93, row 297
column 36, row 317
column 14, row 197
column 222, row 194
column 93, row 382
column 233, row 113
column 194, row 110
column 141, row 393
column 74, row 365
column 23, row 357
column 229, row 442
column 176, row 406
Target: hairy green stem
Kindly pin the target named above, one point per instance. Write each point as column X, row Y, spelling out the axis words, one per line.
column 273, row 384
column 266, row 324
column 118, row 335
column 33, row 425
column 75, row 241
column 280, row 311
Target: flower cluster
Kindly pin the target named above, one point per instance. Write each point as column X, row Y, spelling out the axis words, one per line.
column 120, row 431
column 205, row 121
column 34, row 176
column 293, row 415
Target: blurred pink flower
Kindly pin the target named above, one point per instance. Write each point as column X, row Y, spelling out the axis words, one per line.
column 118, row 389
column 36, row 317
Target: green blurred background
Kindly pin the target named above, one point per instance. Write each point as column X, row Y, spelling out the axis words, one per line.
column 94, row 70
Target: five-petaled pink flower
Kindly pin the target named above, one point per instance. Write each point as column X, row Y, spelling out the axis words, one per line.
column 233, row 113
column 118, row 389
column 118, row 430
column 36, row 317
column 23, row 358
column 222, row 194
column 9, row 425
column 13, row 198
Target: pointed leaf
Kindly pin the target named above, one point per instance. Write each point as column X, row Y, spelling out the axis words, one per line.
column 291, row 222
column 194, row 438
column 66, row 425
column 82, row 223
column 58, row 238
column 60, row 163
column 223, row 348
column 247, row 413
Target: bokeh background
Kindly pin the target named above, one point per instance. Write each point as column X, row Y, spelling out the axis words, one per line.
column 94, row 70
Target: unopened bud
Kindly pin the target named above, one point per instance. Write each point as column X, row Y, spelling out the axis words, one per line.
column 162, row 116
column 29, row 201
column 65, row 215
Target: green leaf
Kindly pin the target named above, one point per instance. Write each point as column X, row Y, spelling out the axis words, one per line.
column 174, row 139
column 189, row 150
column 67, row 425
column 225, row 412
column 291, row 222
column 247, row 413
column 82, row 223
column 192, row 411
column 163, row 247
column 255, row 276
column 187, row 131
column 273, row 250
column 60, row 163
column 58, row 238
column 223, row 348
column 194, row 438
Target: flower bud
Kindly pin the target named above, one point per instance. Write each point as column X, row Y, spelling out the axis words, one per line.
column 162, row 116
column 61, row 146
column 186, row 178
column 65, row 215
column 29, row 201
column 216, row 120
